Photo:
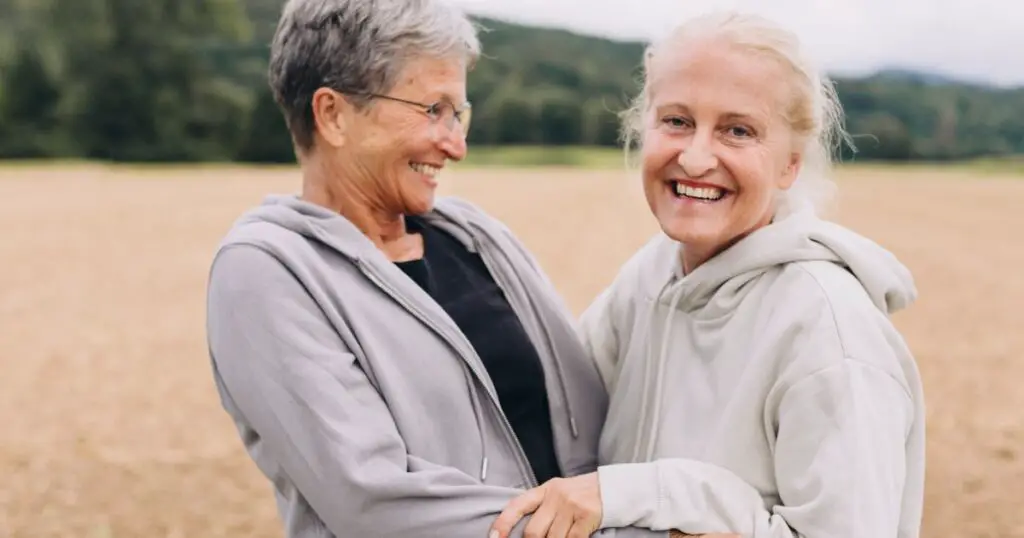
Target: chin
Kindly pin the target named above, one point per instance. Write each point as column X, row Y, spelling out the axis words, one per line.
column 420, row 204
column 691, row 232
column 687, row 225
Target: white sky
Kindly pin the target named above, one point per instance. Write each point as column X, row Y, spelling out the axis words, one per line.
column 972, row 39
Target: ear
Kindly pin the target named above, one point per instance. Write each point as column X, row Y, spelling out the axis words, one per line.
column 331, row 112
column 791, row 171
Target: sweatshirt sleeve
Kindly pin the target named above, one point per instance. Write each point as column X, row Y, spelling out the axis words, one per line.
column 318, row 422
column 840, row 466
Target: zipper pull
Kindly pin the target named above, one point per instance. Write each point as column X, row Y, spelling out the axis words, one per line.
column 483, row 469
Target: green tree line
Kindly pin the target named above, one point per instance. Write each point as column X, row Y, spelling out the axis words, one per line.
column 185, row 80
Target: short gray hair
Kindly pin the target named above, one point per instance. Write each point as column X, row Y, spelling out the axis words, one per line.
column 816, row 115
column 358, row 47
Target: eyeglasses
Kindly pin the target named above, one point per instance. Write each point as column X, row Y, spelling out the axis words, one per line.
column 440, row 111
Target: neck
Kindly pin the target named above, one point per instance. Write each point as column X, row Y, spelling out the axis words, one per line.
column 694, row 255
column 324, row 185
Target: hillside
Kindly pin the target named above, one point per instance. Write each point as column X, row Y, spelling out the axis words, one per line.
column 88, row 86
column 546, row 86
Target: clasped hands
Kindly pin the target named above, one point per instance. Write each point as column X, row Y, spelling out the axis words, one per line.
column 561, row 508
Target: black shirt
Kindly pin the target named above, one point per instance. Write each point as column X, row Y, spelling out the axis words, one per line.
column 460, row 282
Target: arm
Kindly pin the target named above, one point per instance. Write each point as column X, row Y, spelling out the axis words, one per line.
column 319, row 420
column 839, row 462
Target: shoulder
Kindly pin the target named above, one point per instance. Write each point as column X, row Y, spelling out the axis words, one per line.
column 824, row 288
column 280, row 236
column 829, row 318
column 243, row 272
column 250, row 234
column 256, row 260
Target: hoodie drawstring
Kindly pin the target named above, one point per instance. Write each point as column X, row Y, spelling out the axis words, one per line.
column 651, row 312
column 477, row 415
column 659, row 382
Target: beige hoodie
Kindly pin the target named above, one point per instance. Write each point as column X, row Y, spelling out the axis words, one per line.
column 766, row 393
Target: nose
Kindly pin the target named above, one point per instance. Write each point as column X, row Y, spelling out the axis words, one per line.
column 453, row 142
column 698, row 159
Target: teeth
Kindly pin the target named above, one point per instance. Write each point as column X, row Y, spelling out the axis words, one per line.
column 702, row 193
column 425, row 169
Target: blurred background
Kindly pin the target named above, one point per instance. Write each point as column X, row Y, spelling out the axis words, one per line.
column 185, row 80
column 133, row 133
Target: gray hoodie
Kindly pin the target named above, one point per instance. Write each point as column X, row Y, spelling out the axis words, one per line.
column 766, row 393
column 360, row 399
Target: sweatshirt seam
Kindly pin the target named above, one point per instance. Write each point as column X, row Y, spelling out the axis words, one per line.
column 846, row 356
column 831, row 308
column 850, row 359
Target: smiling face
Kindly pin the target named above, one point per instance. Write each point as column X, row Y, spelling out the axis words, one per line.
column 716, row 147
column 388, row 155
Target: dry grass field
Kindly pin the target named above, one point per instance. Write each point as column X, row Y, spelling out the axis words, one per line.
column 110, row 425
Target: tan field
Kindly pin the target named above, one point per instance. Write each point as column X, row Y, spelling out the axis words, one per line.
column 110, row 425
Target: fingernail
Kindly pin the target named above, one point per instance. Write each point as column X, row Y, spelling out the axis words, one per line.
column 493, row 534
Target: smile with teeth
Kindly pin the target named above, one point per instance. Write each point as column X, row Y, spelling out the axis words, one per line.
column 708, row 194
column 425, row 169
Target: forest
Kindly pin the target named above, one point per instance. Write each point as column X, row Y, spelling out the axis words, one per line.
column 185, row 81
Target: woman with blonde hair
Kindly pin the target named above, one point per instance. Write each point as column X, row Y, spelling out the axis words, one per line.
column 757, row 383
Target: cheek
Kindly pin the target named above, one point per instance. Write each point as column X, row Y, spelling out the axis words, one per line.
column 755, row 172
column 657, row 152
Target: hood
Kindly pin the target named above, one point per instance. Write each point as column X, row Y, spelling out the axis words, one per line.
column 799, row 237
column 309, row 220
column 332, row 229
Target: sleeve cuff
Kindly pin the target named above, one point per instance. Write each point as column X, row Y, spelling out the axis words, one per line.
column 629, row 493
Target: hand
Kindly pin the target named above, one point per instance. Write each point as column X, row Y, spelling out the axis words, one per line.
column 565, row 508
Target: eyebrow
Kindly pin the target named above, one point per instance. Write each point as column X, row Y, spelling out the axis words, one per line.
column 728, row 116
column 740, row 116
column 451, row 99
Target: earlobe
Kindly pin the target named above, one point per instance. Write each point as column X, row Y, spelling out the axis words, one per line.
column 329, row 116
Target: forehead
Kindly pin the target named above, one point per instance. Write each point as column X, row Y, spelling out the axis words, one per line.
column 433, row 77
column 716, row 76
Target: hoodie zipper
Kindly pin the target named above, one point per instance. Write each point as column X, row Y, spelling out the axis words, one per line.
column 524, row 462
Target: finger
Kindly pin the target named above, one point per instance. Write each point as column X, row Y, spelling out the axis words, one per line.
column 583, row 528
column 561, row 525
column 515, row 510
column 540, row 522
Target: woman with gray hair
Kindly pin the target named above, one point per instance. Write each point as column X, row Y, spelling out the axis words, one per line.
column 758, row 385
column 396, row 365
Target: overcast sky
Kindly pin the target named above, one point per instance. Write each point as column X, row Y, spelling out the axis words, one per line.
column 973, row 39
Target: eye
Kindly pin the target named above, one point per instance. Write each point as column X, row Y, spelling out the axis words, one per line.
column 675, row 122
column 436, row 110
column 740, row 131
